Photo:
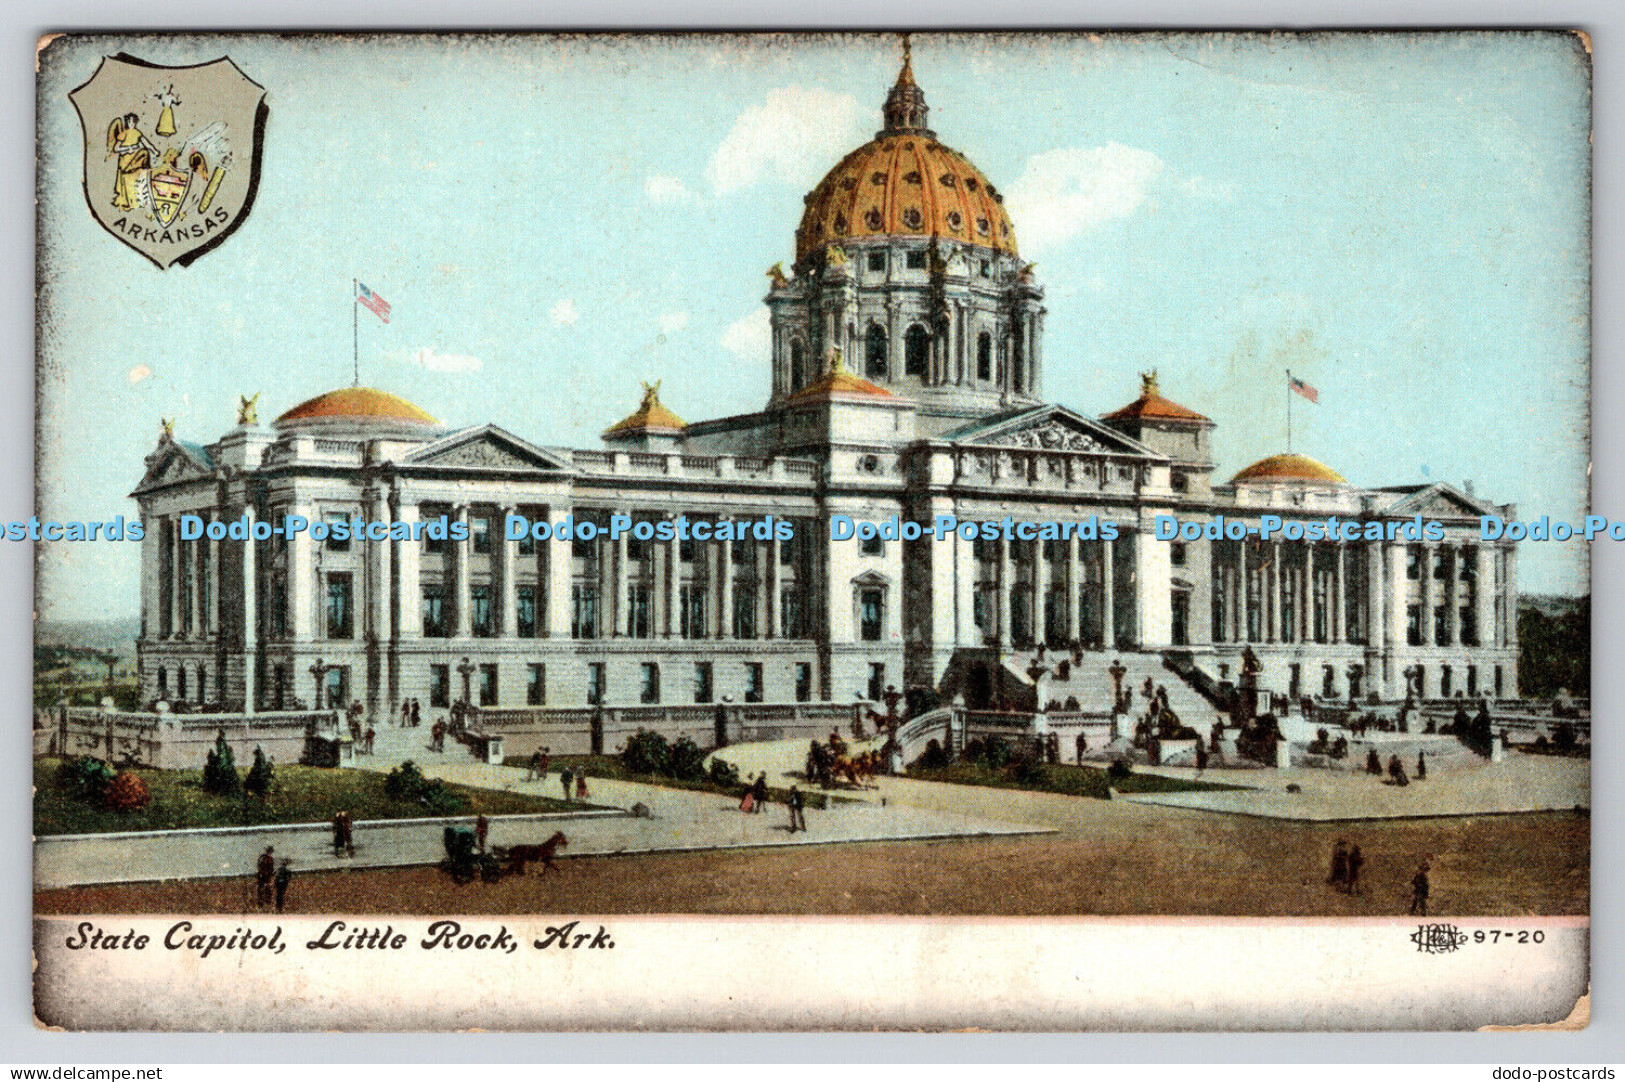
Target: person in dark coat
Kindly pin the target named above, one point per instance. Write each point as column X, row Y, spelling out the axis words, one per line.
column 798, row 816
column 1339, row 876
column 1082, row 744
column 1356, row 862
column 417, row 714
column 1421, row 766
column 284, row 876
column 1201, row 757
column 536, row 770
column 758, row 791
column 1396, row 771
column 482, row 828
column 565, row 779
column 347, row 832
column 1419, row 890
column 1373, row 763
column 264, row 873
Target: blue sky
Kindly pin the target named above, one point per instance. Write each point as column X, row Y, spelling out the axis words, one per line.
column 1401, row 220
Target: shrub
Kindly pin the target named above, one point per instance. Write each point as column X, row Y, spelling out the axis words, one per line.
column 405, row 781
column 934, row 757
column 1119, row 769
column 85, row 778
column 647, row 753
column 687, row 761
column 1563, row 737
column 1028, row 771
column 127, row 793
column 258, row 781
column 220, row 769
column 990, row 751
column 724, row 773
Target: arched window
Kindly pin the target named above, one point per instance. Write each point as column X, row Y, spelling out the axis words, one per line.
column 874, row 353
column 984, row 356
column 1018, row 362
column 916, row 351
column 798, row 364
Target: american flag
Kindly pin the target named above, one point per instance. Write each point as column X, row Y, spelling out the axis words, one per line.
column 374, row 303
column 1295, row 384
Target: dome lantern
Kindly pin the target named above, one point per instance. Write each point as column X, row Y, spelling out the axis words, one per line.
column 905, row 109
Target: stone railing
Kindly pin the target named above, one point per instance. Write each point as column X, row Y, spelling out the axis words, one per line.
column 182, row 741
column 584, row 730
column 701, row 467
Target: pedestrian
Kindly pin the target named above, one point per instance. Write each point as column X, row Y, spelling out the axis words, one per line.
column 1201, row 758
column 1396, row 771
column 437, row 736
column 758, row 791
column 347, row 826
column 1421, row 766
column 1419, row 890
column 482, row 827
column 338, row 834
column 547, row 759
column 264, row 873
column 1082, row 745
column 565, row 778
column 798, row 818
column 284, row 876
column 417, row 714
column 1373, row 763
column 406, row 712
column 581, row 785
column 1340, row 864
column 372, row 735
column 535, row 765
column 747, row 803
column 1356, row 862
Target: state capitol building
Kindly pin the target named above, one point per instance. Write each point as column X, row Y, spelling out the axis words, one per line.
column 907, row 368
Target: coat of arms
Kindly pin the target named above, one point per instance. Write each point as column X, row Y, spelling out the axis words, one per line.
column 172, row 154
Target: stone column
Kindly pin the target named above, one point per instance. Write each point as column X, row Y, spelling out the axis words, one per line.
column 620, row 586
column 1005, row 593
column 215, row 610
column 151, row 568
column 1339, row 590
column 301, row 584
column 408, row 562
column 670, row 598
column 1273, row 603
column 1484, row 594
column 251, row 615
column 770, row 581
column 1041, row 583
column 725, row 614
column 1427, row 602
column 966, row 573
column 1452, row 595
column 507, row 559
column 172, row 572
column 560, row 575
column 1509, row 606
column 462, row 595
column 377, row 576
column 1108, row 588
column 1074, row 588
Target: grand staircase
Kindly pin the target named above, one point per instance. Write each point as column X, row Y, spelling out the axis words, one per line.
column 1088, row 683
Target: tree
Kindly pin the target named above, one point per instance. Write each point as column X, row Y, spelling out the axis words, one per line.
column 258, row 781
column 220, row 769
column 127, row 793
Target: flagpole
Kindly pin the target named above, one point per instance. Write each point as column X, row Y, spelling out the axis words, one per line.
column 1289, row 411
column 355, row 334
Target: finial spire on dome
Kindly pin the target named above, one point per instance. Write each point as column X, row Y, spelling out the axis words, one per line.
column 905, row 107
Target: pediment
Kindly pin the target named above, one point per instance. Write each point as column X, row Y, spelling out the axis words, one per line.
column 1440, row 502
column 170, row 464
column 486, row 448
column 1050, row 428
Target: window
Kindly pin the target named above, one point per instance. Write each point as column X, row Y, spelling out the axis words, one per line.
column 1441, row 564
column 803, row 681
column 1413, row 625
column 1413, row 562
column 877, row 681
column 596, row 685
column 915, row 260
column 1467, row 561
column 649, row 689
column 872, row 546
column 874, row 353
column 702, row 681
column 1179, row 482
column 480, row 527
column 439, row 685
column 642, row 614
column 434, row 530
column 279, row 609
column 339, row 623
column 1466, row 620
column 1445, row 678
column 985, row 268
column 691, row 611
column 1176, row 553
column 434, row 612
column 526, row 611
column 332, row 543
column 787, row 551
column 798, row 367
column 984, row 356
column 536, row 684
column 163, row 682
column 488, row 685
column 744, row 610
column 482, row 618
column 582, row 548
column 527, row 540
column 877, row 261
column 583, row 611
column 180, row 683
column 685, row 550
column 916, row 351
column 871, row 605
column 1441, row 625
column 338, row 687
column 790, row 625
column 202, row 683
column 753, row 681
column 1017, row 349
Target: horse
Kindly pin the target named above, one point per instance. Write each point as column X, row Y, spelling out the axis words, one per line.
column 857, row 769
column 521, row 855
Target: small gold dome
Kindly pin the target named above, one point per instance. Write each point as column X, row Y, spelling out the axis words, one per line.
column 358, row 403
column 1300, row 469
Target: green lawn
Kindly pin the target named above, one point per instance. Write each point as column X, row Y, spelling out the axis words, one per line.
column 611, row 767
column 1070, row 780
column 300, row 794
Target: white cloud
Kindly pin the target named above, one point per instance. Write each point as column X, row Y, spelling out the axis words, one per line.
column 661, row 189
column 139, row 373
column 795, row 130
column 672, row 322
column 1066, row 191
column 750, row 338
column 1203, row 188
column 564, row 312
column 443, row 362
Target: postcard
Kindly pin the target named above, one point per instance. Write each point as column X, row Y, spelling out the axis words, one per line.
column 1005, row 531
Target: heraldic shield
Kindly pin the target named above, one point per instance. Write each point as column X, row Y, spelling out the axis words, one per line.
column 172, row 154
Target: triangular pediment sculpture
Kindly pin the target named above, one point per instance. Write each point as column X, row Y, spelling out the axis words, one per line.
column 486, row 448
column 1048, row 428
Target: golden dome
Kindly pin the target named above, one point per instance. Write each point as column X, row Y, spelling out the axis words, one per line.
column 1289, row 468
column 650, row 416
column 358, row 403
column 838, row 381
column 905, row 183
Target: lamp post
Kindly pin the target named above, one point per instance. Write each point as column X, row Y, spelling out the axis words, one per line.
column 465, row 668
column 1037, row 671
column 317, row 671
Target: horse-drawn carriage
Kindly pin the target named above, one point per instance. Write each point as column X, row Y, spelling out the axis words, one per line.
column 465, row 862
